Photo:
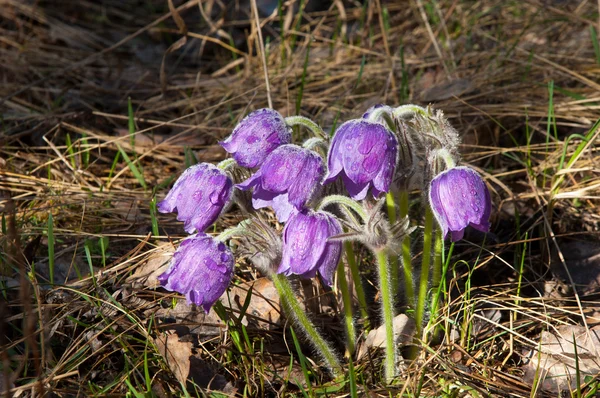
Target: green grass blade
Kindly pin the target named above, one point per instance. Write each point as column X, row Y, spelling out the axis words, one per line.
column 136, row 172
column 577, row 370
column 113, row 167
column 303, row 361
column 50, row 247
column 103, row 246
column 360, row 71
column 85, row 153
column 146, row 367
column 352, row 379
column 88, row 256
column 153, row 217
column 70, row 150
column 189, row 157
column 298, row 24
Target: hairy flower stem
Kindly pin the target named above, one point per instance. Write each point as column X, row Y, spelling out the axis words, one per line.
column 306, row 122
column 292, row 307
column 238, row 230
column 387, row 304
column 425, row 263
column 226, row 164
column 408, row 111
column 409, row 289
column 382, row 113
column 348, row 315
column 358, row 286
column 344, row 201
column 314, row 142
column 394, row 269
column 447, row 158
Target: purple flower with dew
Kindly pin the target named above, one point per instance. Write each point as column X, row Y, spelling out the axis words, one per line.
column 199, row 196
column 305, row 246
column 460, row 198
column 365, row 154
column 256, row 136
column 201, row 269
column 286, row 181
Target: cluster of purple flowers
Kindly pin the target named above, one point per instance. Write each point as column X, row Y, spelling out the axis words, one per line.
column 289, row 178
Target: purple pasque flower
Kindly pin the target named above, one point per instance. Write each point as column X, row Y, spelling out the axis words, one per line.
column 201, row 269
column 256, row 136
column 460, row 198
column 305, row 246
column 199, row 196
column 365, row 154
column 286, row 181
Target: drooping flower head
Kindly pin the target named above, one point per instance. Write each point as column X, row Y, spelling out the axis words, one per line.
column 199, row 196
column 286, row 181
column 305, row 246
column 364, row 153
column 460, row 198
column 256, row 136
column 201, row 269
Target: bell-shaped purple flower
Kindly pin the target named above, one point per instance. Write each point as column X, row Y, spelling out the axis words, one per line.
column 256, row 136
column 199, row 196
column 305, row 246
column 201, row 269
column 460, row 198
column 286, row 181
column 365, row 154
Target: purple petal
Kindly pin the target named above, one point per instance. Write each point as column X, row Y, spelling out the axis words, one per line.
column 198, row 196
column 457, row 235
column 356, row 191
column 383, row 180
column 307, row 181
column 306, row 249
column 366, row 153
column 334, row 158
column 331, row 255
column 304, row 239
column 460, row 198
column 437, row 207
column 283, row 208
column 281, row 168
column 286, row 180
column 201, row 269
column 364, row 161
column 250, row 182
column 256, row 136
